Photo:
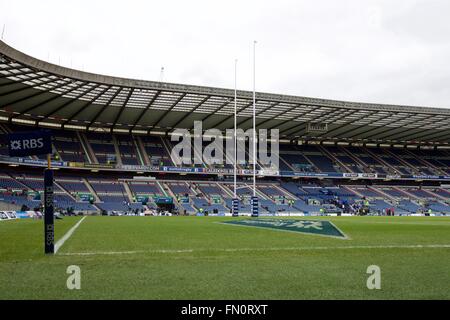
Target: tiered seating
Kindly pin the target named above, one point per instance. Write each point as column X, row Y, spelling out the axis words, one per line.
column 102, row 146
column 112, row 195
column 415, row 165
column 439, row 207
column 145, row 188
column 366, row 192
column 73, row 185
column 203, row 203
column 295, row 159
column 442, row 192
column 20, row 200
column 373, row 165
column 127, row 150
column 180, row 189
column 345, row 159
column 10, row 184
column 437, row 158
column 156, row 151
column 210, row 189
column 320, row 160
column 409, row 206
column 69, row 147
column 419, row 193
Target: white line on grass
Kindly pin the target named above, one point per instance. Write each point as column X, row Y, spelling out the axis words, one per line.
column 69, row 233
column 170, row 251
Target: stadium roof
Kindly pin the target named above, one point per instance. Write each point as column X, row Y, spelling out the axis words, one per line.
column 34, row 92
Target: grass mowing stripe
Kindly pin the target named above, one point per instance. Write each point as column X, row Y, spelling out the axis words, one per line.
column 417, row 246
column 69, row 233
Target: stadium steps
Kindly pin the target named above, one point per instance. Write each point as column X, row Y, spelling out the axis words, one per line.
column 117, row 150
column 426, row 163
column 141, row 150
column 65, row 190
column 169, row 152
column 435, row 195
column 194, row 189
column 384, row 194
column 259, row 193
column 353, row 190
column 91, row 190
column 287, row 194
column 198, row 154
column 377, row 158
column 128, row 191
column 286, row 163
column 139, row 156
column 168, row 192
column 335, row 159
column 19, row 182
column 161, row 188
column 403, row 162
column 87, row 147
column 410, row 195
column 365, row 167
column 226, row 190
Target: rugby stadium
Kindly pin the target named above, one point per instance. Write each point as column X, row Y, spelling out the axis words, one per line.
column 358, row 185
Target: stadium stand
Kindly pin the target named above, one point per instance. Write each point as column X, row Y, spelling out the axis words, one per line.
column 112, row 148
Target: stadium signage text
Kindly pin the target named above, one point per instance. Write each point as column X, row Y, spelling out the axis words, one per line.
column 216, row 171
column 29, row 143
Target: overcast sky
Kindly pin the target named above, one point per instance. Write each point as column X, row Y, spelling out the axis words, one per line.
column 384, row 51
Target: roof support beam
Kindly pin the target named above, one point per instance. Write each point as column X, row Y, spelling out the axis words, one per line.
column 30, row 87
column 398, row 135
column 193, row 110
column 427, row 135
column 264, row 110
column 281, row 113
column 122, row 108
column 90, row 89
column 48, row 100
column 32, row 96
column 303, row 129
column 229, row 117
column 297, row 123
column 21, row 73
column 141, row 115
column 82, row 108
column 443, row 138
column 346, row 124
column 372, row 129
column 104, row 107
column 223, row 105
column 168, row 110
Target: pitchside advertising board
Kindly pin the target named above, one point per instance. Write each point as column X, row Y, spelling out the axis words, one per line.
column 34, row 143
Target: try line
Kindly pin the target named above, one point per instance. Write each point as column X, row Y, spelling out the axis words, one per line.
column 174, row 251
column 69, row 233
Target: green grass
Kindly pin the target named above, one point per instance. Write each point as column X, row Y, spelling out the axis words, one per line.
column 190, row 258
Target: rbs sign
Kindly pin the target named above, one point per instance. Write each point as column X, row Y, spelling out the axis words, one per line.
column 29, row 143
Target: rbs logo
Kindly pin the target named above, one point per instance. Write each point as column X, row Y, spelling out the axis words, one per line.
column 29, row 143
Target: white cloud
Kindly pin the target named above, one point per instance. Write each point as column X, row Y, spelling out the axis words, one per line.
column 372, row 51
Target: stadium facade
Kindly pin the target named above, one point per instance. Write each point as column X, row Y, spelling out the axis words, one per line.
column 112, row 147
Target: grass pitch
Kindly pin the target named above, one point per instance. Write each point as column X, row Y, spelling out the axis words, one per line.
column 199, row 258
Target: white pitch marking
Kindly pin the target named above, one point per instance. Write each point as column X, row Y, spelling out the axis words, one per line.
column 69, row 233
column 418, row 246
